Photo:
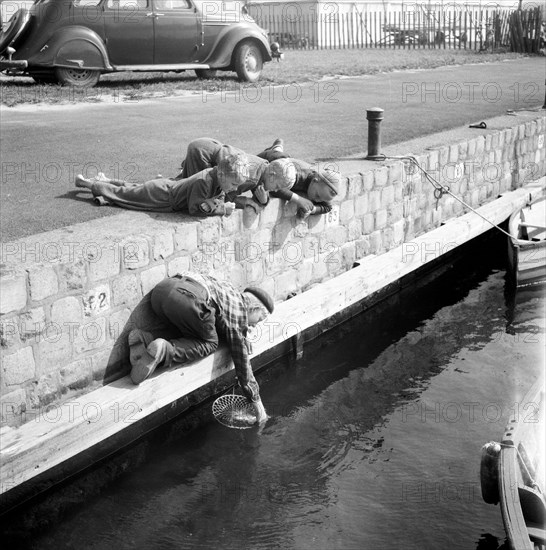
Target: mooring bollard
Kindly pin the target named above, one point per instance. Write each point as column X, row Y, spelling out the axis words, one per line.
column 374, row 117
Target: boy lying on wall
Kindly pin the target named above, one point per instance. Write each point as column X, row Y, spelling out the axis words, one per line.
column 202, row 194
column 312, row 191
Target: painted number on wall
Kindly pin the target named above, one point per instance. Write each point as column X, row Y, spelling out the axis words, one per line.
column 332, row 217
column 96, row 301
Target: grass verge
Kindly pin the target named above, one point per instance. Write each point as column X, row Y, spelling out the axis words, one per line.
column 299, row 66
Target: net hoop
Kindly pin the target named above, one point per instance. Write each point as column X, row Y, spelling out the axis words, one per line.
column 228, row 407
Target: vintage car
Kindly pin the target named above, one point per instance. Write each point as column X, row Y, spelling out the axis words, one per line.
column 74, row 41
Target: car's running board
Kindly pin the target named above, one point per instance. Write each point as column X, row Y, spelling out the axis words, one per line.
column 173, row 67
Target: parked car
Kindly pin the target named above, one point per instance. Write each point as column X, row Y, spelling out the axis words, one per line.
column 74, row 41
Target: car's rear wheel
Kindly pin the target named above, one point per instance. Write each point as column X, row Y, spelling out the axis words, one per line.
column 248, row 62
column 43, row 77
column 206, row 74
column 14, row 30
column 79, row 78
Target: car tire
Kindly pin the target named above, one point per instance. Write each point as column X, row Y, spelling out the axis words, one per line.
column 79, row 78
column 43, row 77
column 206, row 74
column 248, row 62
column 15, row 27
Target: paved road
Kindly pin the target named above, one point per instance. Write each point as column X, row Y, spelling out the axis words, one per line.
column 43, row 148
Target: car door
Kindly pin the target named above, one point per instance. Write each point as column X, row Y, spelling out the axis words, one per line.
column 176, row 32
column 129, row 31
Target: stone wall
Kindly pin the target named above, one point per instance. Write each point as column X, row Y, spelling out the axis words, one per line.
column 69, row 297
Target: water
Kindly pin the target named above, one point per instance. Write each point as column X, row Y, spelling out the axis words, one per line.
column 374, row 442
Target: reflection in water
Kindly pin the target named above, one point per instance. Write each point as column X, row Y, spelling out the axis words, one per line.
column 374, row 442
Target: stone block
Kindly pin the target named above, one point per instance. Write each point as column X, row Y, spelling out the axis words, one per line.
column 471, row 150
column 304, row 273
column 454, row 153
column 311, row 246
column 97, row 300
column 348, row 255
column 90, row 336
column 346, row 211
column 126, row 289
column 480, row 146
column 104, row 263
column 381, row 218
column 395, row 212
column 368, row 181
column 135, row 252
column 374, row 200
column 368, row 223
column 162, row 245
column 67, row 310
column 463, row 149
column 73, row 276
column 387, row 196
column 362, row 247
column 185, row 236
column 381, row 177
column 254, row 271
column 361, row 204
column 334, row 235
column 43, row 282
column 286, row 283
column 354, row 185
column 151, row 276
column 433, row 161
column 208, row 230
column 354, row 230
column 376, row 242
column 272, row 213
column 13, row 290
column 9, row 333
column 316, row 224
column 342, row 190
column 178, row 265
column 396, row 171
column 77, row 374
column 495, row 141
column 13, row 407
column 18, row 367
column 320, row 267
column 32, row 323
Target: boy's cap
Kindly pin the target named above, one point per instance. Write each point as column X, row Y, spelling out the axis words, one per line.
column 263, row 296
column 332, row 178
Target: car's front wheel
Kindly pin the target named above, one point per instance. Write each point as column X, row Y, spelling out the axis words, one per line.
column 79, row 78
column 248, row 62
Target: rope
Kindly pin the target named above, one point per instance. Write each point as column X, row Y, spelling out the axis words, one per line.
column 441, row 190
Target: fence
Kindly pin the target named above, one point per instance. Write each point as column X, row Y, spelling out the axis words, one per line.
column 479, row 30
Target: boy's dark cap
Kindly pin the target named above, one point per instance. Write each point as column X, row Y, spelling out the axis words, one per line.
column 263, row 296
column 332, row 178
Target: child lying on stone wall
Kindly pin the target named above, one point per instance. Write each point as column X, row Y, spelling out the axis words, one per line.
column 202, row 194
column 312, row 191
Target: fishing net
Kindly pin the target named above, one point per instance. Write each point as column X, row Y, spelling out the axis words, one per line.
column 234, row 411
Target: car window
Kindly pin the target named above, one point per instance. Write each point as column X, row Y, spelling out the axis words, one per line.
column 172, row 4
column 127, row 4
column 83, row 3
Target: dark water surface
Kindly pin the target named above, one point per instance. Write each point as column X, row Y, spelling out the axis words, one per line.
column 374, row 442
